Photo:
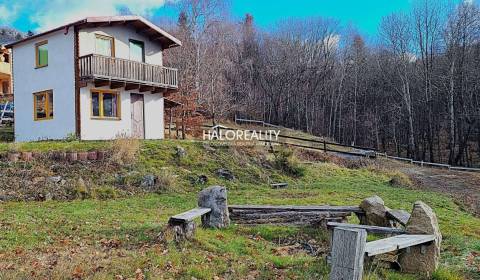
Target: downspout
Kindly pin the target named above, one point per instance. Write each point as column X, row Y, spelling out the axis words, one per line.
column 77, row 84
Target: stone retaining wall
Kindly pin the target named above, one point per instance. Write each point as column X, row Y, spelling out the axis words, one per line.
column 56, row 155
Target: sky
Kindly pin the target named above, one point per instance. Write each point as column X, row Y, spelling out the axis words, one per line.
column 40, row 15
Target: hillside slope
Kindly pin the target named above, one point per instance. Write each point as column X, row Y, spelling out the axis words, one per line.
column 104, row 223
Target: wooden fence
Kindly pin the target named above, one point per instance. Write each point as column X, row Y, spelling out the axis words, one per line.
column 430, row 164
column 320, row 145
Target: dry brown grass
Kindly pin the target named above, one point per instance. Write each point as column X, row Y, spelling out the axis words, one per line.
column 124, row 150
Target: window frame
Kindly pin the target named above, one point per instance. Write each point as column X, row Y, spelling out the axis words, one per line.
column 100, row 93
column 143, row 49
column 37, row 57
column 47, row 105
column 112, row 44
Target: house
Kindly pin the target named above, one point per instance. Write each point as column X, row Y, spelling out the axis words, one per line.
column 5, row 73
column 97, row 78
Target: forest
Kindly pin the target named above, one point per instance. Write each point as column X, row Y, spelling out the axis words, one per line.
column 411, row 90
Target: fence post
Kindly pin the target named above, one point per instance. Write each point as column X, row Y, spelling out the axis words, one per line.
column 324, row 145
column 348, row 251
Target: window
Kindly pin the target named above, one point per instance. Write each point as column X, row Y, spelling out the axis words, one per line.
column 137, row 51
column 104, row 45
column 43, row 105
column 41, row 54
column 105, row 104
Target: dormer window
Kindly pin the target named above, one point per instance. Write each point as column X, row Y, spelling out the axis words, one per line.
column 41, row 54
column 104, row 45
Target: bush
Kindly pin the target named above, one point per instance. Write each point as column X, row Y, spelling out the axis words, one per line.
column 166, row 181
column 399, row 179
column 104, row 193
column 285, row 161
column 124, row 150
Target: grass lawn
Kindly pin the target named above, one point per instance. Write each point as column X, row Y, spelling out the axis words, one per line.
column 127, row 236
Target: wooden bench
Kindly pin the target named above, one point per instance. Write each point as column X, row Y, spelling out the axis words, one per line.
column 400, row 216
column 279, row 185
column 349, row 248
column 368, row 229
column 183, row 224
column 395, row 243
column 188, row 216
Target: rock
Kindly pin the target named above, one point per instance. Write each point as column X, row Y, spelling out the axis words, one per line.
column 201, row 179
column 148, row 181
column 375, row 212
column 422, row 259
column 214, row 198
column 208, row 147
column 225, row 174
column 180, row 152
column 55, row 179
column 48, row 196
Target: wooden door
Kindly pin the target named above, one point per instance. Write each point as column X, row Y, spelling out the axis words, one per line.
column 138, row 127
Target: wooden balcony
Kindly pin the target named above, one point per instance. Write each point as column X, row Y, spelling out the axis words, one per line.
column 118, row 72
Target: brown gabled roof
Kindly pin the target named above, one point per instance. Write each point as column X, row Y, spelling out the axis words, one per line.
column 142, row 25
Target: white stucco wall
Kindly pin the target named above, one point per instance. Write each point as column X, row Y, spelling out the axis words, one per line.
column 57, row 76
column 103, row 129
column 121, row 35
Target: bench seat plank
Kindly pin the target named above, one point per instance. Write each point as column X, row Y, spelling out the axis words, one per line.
column 400, row 216
column 279, row 185
column 188, row 216
column 396, row 243
column 369, row 229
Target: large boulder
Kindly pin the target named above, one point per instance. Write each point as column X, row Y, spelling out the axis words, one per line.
column 422, row 259
column 214, row 198
column 375, row 212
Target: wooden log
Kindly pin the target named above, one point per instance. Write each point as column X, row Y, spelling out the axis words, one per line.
column 348, row 251
column 396, row 243
column 369, row 229
column 286, row 214
column 292, row 218
column 306, row 208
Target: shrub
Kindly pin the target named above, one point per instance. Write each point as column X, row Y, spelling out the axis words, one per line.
column 285, row 161
column 105, row 192
column 399, row 179
column 166, row 181
column 124, row 150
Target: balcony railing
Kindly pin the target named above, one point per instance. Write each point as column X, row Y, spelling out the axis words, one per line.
column 95, row 66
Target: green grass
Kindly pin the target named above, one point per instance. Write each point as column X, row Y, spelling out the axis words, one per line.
column 6, row 134
column 77, row 230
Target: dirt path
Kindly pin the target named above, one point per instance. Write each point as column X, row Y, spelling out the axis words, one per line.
column 463, row 186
